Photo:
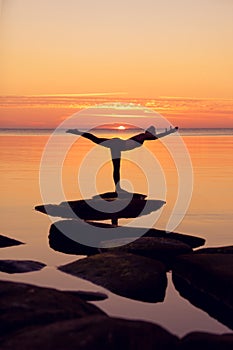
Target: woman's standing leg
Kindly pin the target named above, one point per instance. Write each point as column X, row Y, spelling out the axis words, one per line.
column 116, row 172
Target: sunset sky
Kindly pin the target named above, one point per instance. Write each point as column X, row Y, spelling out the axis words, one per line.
column 172, row 55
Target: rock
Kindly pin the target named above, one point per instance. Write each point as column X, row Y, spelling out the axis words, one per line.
column 8, row 242
column 160, row 248
column 82, row 238
column 88, row 296
column 206, row 280
column 98, row 209
column 201, row 340
column 23, row 305
column 20, row 266
column 109, row 196
column 93, row 332
column 60, row 242
column 211, row 250
column 192, row 241
column 125, row 274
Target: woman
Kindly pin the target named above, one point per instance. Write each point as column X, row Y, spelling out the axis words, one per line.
column 117, row 145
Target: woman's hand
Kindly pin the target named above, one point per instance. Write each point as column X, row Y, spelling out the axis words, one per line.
column 73, row 131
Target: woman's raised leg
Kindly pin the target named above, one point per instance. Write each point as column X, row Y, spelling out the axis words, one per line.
column 87, row 135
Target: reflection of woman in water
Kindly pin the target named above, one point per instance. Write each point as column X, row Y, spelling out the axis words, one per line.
column 117, row 145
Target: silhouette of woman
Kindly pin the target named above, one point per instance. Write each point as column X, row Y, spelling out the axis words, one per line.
column 117, row 145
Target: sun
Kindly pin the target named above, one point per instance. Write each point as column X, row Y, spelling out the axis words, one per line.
column 121, row 127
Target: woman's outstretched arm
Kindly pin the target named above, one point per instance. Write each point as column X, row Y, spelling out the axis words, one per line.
column 87, row 135
column 150, row 134
column 167, row 132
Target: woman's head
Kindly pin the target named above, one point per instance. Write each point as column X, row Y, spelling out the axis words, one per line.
column 151, row 130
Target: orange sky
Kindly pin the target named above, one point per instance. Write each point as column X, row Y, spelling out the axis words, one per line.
column 50, row 111
column 142, row 50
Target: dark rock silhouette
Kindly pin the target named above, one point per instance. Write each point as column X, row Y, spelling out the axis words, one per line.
column 214, row 250
column 61, row 243
column 36, row 318
column 59, row 240
column 98, row 209
column 8, row 242
column 128, row 275
column 203, row 340
column 93, row 332
column 206, row 280
column 88, row 296
column 86, row 238
column 160, row 248
column 192, row 241
column 23, row 305
column 109, row 196
column 20, row 266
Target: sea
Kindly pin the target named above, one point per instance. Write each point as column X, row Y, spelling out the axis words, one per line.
column 193, row 168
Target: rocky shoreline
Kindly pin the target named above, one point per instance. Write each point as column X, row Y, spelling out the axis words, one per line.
column 34, row 317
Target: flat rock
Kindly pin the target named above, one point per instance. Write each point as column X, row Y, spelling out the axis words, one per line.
column 93, row 332
column 23, row 305
column 122, row 195
column 206, row 280
column 128, row 275
column 202, row 340
column 8, row 242
column 160, row 248
column 20, row 266
column 100, row 209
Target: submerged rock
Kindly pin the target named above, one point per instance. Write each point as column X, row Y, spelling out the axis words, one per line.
column 93, row 332
column 125, row 274
column 206, row 280
column 8, row 242
column 20, row 266
column 23, row 305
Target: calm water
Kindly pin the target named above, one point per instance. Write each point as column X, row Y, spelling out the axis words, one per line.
column 209, row 214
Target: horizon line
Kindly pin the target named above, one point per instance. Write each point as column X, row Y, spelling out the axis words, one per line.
column 28, row 128
column 100, row 94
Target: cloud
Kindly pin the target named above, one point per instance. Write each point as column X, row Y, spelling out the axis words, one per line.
column 24, row 111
